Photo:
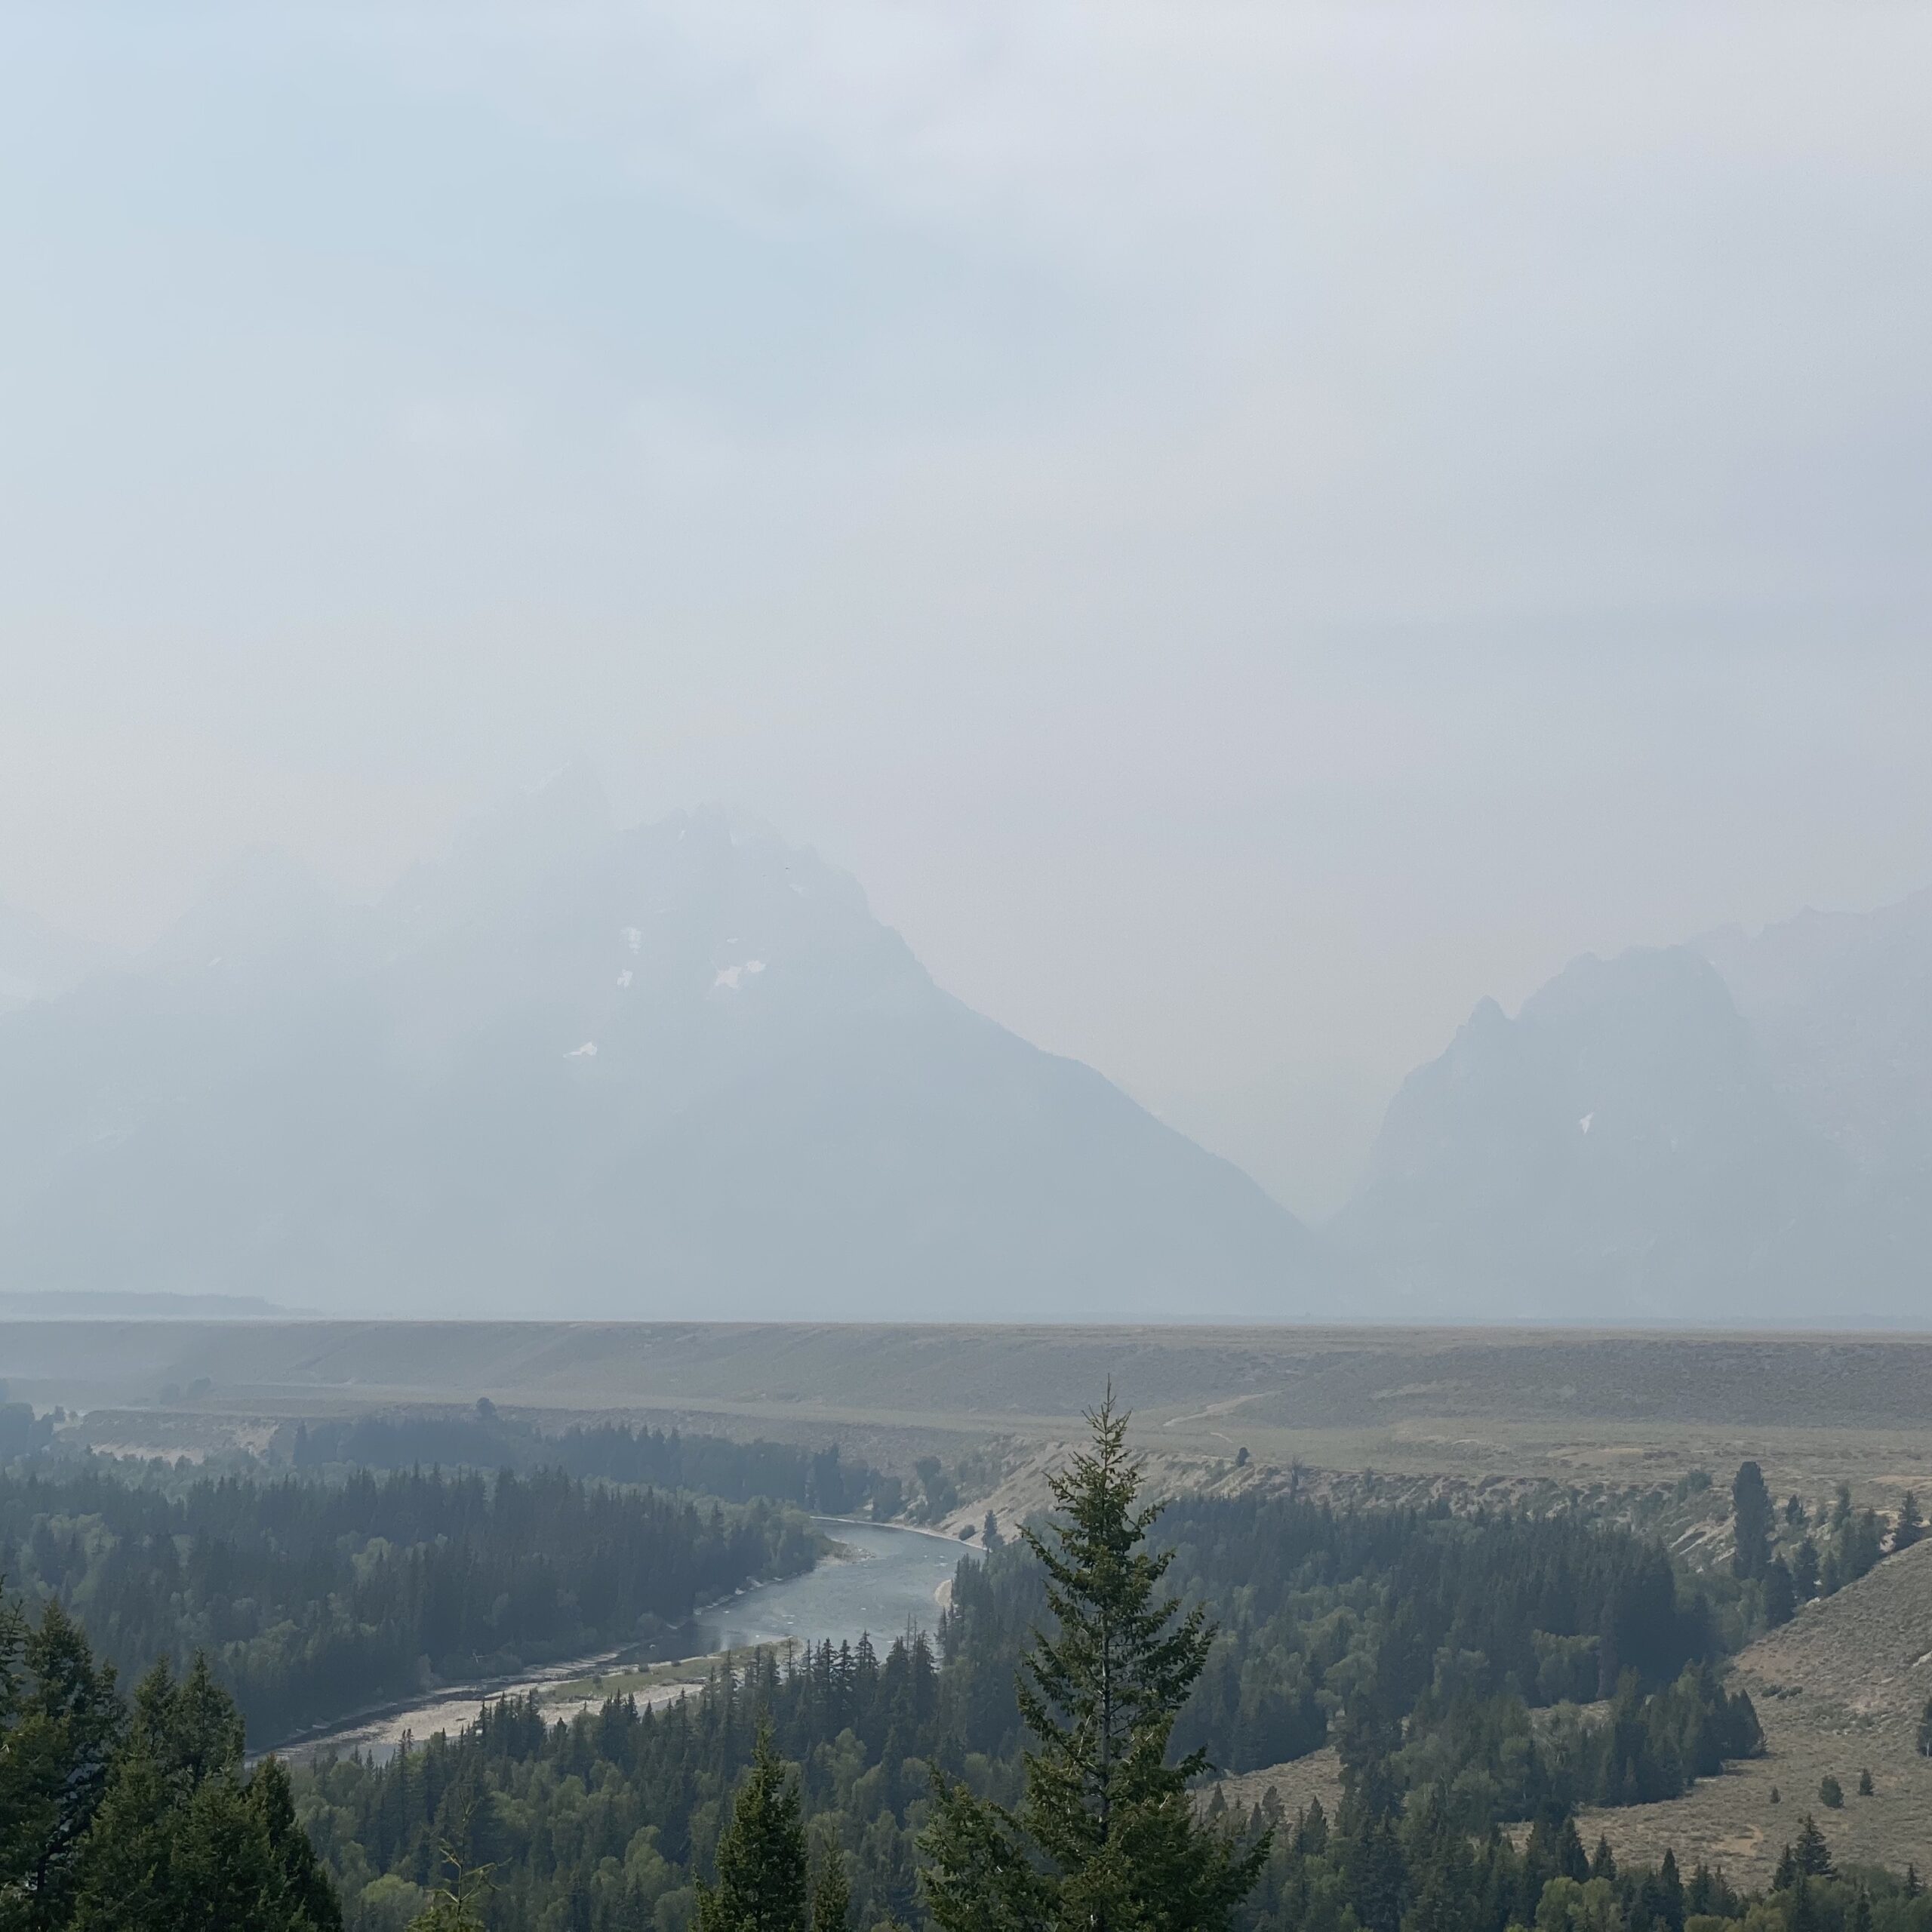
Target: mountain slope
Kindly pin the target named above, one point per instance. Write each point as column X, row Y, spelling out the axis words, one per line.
column 1737, row 1128
column 38, row 963
column 1619, row 1149
column 1841, row 1005
column 675, row 1070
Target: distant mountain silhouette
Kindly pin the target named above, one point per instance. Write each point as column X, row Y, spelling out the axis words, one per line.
column 1738, row 1128
column 677, row 1070
column 38, row 963
column 1841, row 1006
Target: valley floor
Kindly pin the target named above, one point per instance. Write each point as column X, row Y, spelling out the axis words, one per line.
column 1618, row 1407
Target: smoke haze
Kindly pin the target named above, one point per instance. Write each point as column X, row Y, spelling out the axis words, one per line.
column 1247, row 529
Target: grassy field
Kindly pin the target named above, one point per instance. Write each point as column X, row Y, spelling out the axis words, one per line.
column 1565, row 1406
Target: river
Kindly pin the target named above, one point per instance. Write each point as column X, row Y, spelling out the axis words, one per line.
column 893, row 1579
column 882, row 1580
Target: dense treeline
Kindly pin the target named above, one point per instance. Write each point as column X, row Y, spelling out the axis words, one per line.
column 1488, row 1758
column 22, row 1432
column 313, row 1599
column 1316, row 1605
column 1417, row 1869
column 607, row 1452
column 114, row 1819
column 1455, row 1628
column 885, row 1789
column 1844, row 1544
column 609, row 1822
column 1421, row 1640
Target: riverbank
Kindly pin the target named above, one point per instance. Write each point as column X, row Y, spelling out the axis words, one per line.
column 891, row 1580
column 378, row 1733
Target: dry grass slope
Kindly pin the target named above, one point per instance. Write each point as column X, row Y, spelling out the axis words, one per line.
column 1838, row 1691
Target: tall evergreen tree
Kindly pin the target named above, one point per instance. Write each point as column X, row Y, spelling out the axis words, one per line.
column 1861, row 1545
column 831, row 1897
column 1669, row 1893
column 1813, row 1856
column 1805, row 1570
column 1910, row 1526
column 1752, row 1514
column 1366, row 1741
column 60, row 1723
column 760, row 1883
column 183, row 1842
column 1106, row 1837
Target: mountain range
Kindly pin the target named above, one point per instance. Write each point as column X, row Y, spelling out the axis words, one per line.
column 1739, row 1128
column 680, row 1070
column 675, row 1070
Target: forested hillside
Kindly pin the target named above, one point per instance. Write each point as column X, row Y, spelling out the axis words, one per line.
column 1453, row 1661
column 1438, row 1634
column 1419, row 1642
column 313, row 1599
column 120, row 1816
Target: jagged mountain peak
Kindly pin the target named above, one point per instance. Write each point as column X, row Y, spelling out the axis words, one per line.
column 676, row 1068
column 1740, row 1126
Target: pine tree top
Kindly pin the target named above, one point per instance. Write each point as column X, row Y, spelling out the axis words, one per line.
column 761, row 1884
column 1108, row 1835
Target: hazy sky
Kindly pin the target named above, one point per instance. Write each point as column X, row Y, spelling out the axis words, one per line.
column 1247, row 527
